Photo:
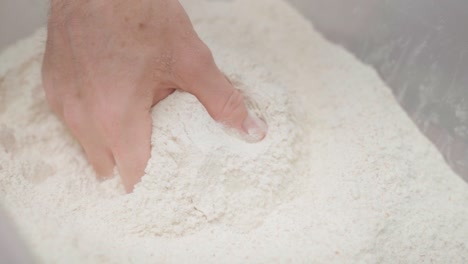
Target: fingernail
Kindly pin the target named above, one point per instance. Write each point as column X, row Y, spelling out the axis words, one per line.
column 255, row 128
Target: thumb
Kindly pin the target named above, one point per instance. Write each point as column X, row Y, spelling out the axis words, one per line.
column 222, row 100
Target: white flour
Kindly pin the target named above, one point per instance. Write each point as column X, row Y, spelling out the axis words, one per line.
column 343, row 175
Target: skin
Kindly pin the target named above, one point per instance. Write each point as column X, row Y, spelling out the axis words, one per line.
column 108, row 62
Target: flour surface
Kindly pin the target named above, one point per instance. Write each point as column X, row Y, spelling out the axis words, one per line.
column 343, row 175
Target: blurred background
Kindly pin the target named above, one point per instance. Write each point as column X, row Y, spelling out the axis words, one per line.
column 419, row 47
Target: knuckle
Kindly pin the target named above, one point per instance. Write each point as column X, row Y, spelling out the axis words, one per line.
column 107, row 118
column 73, row 117
column 194, row 61
column 232, row 107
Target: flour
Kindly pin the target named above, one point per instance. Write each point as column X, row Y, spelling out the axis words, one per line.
column 343, row 175
column 199, row 174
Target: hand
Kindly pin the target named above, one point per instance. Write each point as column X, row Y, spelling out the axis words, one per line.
column 108, row 62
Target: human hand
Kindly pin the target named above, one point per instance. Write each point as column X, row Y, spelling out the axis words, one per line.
column 108, row 62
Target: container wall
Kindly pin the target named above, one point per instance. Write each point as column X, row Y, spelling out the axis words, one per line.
column 420, row 49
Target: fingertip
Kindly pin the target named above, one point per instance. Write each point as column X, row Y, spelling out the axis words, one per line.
column 133, row 150
column 132, row 165
column 254, row 128
column 223, row 101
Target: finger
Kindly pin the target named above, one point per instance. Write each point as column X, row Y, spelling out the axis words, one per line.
column 87, row 135
column 222, row 100
column 133, row 147
column 161, row 94
column 101, row 159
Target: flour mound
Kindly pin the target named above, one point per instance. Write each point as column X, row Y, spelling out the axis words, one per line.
column 199, row 173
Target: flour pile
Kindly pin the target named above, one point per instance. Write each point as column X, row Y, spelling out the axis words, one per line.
column 198, row 173
column 343, row 175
